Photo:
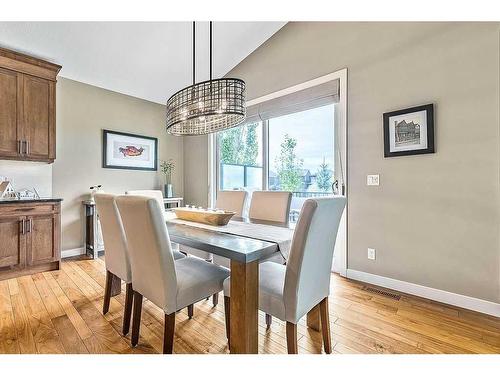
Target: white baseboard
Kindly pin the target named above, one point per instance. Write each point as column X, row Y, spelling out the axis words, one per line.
column 466, row 302
column 72, row 252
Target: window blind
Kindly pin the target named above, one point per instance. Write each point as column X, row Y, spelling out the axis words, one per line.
column 311, row 97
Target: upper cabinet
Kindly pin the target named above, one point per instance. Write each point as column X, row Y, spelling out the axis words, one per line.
column 27, row 107
column 9, row 131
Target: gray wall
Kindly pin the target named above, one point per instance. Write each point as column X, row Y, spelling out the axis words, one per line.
column 196, row 170
column 434, row 220
column 82, row 112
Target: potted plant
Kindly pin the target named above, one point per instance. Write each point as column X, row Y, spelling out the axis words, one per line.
column 167, row 167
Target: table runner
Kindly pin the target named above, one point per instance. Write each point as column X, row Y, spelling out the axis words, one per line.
column 278, row 235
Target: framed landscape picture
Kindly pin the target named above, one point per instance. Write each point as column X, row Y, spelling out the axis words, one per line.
column 129, row 151
column 409, row 131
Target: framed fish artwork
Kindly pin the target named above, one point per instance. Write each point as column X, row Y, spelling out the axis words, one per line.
column 129, row 151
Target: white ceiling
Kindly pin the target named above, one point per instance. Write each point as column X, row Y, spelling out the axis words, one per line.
column 148, row 60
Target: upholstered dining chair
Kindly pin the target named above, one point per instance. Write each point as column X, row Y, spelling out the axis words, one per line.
column 116, row 259
column 290, row 292
column 169, row 285
column 231, row 200
column 228, row 200
column 272, row 206
column 156, row 194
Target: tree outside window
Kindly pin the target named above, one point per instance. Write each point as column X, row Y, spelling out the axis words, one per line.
column 288, row 166
column 324, row 177
column 239, row 145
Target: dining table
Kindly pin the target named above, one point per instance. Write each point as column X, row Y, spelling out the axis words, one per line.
column 245, row 254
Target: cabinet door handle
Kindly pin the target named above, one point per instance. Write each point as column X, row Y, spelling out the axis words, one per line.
column 27, row 147
column 30, row 226
column 20, row 147
column 23, row 226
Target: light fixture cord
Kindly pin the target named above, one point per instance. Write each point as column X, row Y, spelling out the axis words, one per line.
column 194, row 52
column 210, row 50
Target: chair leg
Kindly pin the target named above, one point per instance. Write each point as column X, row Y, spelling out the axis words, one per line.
column 291, row 338
column 227, row 310
column 127, row 312
column 325, row 325
column 190, row 311
column 269, row 321
column 215, row 299
column 107, row 292
column 136, row 322
column 209, row 261
column 168, row 333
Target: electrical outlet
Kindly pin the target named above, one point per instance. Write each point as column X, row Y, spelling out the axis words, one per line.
column 373, row 180
column 371, row 254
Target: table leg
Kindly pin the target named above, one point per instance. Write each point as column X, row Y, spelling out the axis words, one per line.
column 244, row 307
column 313, row 318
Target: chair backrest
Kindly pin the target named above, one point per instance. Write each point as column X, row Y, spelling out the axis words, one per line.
column 270, row 205
column 231, row 200
column 115, row 241
column 151, row 258
column 156, row 194
column 308, row 270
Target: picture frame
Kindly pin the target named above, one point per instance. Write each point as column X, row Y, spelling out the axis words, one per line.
column 129, row 151
column 409, row 131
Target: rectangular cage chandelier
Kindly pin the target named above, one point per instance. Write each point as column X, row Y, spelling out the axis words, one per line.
column 206, row 107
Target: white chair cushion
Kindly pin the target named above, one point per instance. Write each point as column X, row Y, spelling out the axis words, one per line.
column 271, row 284
column 197, row 279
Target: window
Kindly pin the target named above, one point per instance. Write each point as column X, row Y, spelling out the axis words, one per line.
column 240, row 158
column 301, row 143
column 299, row 156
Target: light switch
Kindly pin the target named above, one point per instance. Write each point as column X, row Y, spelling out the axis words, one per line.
column 371, row 254
column 373, row 180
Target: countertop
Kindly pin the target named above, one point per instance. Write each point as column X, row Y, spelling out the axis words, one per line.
column 40, row 200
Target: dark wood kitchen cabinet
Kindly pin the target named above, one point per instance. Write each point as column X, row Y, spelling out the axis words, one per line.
column 30, row 237
column 27, row 107
column 12, row 243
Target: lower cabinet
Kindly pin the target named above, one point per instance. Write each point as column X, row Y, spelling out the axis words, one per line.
column 42, row 240
column 12, row 243
column 30, row 238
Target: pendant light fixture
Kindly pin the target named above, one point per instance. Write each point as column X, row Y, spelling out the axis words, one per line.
column 206, row 107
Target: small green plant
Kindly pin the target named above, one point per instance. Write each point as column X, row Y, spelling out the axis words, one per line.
column 167, row 167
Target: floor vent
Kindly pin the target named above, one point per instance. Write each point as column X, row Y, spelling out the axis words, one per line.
column 382, row 293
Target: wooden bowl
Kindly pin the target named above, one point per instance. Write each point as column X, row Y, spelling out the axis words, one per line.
column 204, row 217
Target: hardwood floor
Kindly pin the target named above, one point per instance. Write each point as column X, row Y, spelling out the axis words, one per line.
column 61, row 312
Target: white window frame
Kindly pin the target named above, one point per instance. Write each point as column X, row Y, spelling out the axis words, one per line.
column 341, row 142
